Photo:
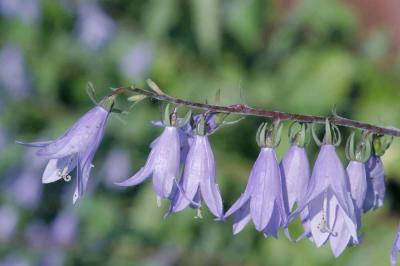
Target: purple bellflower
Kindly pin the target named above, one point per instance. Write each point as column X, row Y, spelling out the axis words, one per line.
column 332, row 212
column 356, row 169
column 76, row 148
column 198, row 183
column 358, row 181
column 375, row 193
column 164, row 160
column 295, row 172
column 263, row 200
column 395, row 248
column 376, row 174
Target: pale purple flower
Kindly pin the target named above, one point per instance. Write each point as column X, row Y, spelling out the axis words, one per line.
column 395, row 248
column 358, row 182
column 27, row 11
column 295, row 172
column 262, row 201
column 27, row 190
column 75, row 149
column 332, row 212
column 198, row 183
column 14, row 78
column 162, row 164
column 137, row 62
column 375, row 184
column 64, row 229
column 9, row 217
column 94, row 26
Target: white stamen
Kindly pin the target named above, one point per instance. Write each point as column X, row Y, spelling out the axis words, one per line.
column 198, row 214
column 323, row 225
column 64, row 173
column 158, row 201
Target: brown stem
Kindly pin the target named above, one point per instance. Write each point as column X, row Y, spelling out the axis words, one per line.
column 242, row 109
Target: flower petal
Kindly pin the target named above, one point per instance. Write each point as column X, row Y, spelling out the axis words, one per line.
column 79, row 137
column 341, row 236
column 166, row 162
column 241, row 218
column 358, row 181
column 37, row 144
column 208, row 185
column 140, row 176
column 274, row 223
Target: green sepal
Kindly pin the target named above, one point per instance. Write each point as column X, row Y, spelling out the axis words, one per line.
column 381, row 143
column 315, row 137
column 166, row 118
column 360, row 151
column 108, row 102
column 299, row 136
column 186, row 119
column 201, row 126
column 91, row 92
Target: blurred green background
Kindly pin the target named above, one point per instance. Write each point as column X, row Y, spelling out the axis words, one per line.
column 306, row 59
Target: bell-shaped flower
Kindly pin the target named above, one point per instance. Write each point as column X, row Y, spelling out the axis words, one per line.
column 164, row 159
column 198, row 183
column 332, row 212
column 356, row 169
column 295, row 170
column 376, row 174
column 395, row 248
column 376, row 189
column 76, row 148
column 358, row 181
column 262, row 201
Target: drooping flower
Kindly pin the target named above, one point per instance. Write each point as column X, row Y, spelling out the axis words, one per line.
column 164, row 160
column 198, row 183
column 376, row 174
column 295, row 171
column 375, row 193
column 332, row 212
column 263, row 200
column 395, row 248
column 76, row 148
column 358, row 181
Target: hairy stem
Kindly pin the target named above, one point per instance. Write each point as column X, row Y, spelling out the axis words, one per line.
column 242, row 109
